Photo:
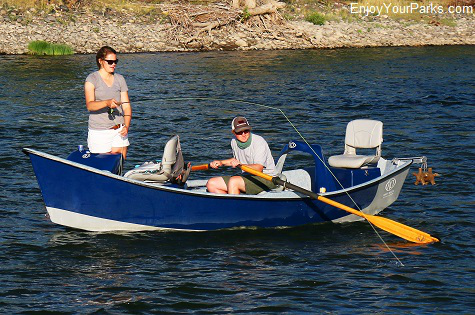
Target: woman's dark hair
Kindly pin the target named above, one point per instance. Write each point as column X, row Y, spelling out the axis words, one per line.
column 103, row 52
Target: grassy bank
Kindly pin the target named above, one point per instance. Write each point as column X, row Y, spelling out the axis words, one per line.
column 43, row 48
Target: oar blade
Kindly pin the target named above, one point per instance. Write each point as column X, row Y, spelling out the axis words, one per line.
column 401, row 230
column 388, row 225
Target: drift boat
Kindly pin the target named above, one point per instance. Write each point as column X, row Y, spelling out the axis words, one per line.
column 87, row 191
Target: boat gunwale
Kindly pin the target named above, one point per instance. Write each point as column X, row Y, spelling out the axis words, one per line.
column 298, row 196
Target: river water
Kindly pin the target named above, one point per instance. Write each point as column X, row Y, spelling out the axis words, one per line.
column 424, row 96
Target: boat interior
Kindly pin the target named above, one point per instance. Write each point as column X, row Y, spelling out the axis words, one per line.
column 338, row 172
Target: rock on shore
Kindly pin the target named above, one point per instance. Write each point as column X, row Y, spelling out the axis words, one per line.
column 86, row 31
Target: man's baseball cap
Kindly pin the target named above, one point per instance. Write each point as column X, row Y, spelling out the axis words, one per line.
column 240, row 124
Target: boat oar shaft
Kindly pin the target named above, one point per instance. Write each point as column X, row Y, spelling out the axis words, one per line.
column 202, row 167
column 396, row 228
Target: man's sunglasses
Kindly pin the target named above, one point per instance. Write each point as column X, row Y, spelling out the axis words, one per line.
column 242, row 132
column 110, row 62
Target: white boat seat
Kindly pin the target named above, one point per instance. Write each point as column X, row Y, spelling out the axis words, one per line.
column 360, row 134
column 159, row 172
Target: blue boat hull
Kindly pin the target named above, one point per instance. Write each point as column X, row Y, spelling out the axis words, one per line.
column 87, row 198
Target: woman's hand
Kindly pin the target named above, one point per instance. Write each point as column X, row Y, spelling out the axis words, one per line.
column 112, row 103
column 124, row 131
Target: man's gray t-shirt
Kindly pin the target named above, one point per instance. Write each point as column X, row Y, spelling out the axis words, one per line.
column 257, row 153
column 102, row 119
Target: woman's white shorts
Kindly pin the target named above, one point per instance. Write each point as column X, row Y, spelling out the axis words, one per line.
column 102, row 141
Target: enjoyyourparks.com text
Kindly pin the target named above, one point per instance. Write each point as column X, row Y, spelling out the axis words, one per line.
column 411, row 8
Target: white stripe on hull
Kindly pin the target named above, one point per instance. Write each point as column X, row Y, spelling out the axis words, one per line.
column 90, row 223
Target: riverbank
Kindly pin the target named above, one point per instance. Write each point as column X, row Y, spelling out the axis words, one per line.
column 177, row 27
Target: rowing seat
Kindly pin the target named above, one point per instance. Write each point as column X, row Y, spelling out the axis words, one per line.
column 360, row 134
column 172, row 168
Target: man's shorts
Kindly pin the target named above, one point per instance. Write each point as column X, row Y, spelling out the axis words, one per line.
column 102, row 141
column 254, row 184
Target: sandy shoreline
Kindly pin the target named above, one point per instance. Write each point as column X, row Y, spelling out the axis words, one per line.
column 86, row 31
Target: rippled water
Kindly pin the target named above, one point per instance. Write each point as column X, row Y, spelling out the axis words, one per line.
column 424, row 96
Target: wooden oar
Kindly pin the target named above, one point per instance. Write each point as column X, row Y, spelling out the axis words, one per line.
column 396, row 228
column 202, row 167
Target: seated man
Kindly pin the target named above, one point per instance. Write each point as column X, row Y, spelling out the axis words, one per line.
column 248, row 149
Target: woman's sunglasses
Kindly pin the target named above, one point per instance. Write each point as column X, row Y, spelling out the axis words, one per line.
column 110, row 62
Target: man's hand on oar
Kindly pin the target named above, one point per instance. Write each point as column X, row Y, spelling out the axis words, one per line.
column 396, row 228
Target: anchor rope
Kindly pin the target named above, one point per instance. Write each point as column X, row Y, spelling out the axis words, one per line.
column 306, row 142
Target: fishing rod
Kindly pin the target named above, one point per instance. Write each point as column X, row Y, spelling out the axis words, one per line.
column 111, row 113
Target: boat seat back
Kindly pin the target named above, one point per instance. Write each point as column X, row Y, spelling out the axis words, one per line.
column 172, row 167
column 170, row 154
column 360, row 134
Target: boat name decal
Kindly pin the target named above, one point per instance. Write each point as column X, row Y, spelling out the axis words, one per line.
column 292, row 144
column 86, row 155
column 390, row 184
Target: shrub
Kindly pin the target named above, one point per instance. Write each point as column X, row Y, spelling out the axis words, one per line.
column 40, row 47
column 245, row 15
column 316, row 18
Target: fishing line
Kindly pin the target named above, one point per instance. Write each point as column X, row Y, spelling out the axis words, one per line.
column 306, row 142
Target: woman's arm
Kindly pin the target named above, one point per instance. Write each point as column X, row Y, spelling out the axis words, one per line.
column 91, row 103
column 124, row 98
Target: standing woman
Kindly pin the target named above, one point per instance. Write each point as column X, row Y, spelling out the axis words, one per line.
column 107, row 100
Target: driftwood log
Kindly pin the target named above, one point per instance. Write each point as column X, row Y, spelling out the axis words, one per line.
column 269, row 7
column 195, row 21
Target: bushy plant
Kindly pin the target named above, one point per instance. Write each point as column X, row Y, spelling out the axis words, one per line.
column 316, row 18
column 245, row 15
column 40, row 47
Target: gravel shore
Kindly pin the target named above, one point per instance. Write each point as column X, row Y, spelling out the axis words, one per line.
column 86, row 31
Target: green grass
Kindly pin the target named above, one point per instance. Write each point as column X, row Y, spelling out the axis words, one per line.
column 40, row 47
column 245, row 14
column 316, row 18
